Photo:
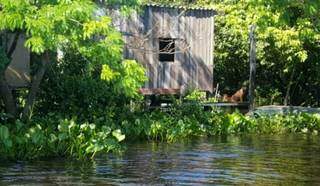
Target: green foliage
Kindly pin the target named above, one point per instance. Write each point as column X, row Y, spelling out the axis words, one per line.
column 85, row 140
column 196, row 95
column 73, row 27
column 4, row 137
column 199, row 96
column 89, row 91
column 51, row 24
column 131, row 79
column 4, row 61
column 54, row 136
column 287, row 36
column 190, row 120
column 188, row 3
column 47, row 23
column 42, row 139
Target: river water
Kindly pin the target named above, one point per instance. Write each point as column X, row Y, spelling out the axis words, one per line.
column 247, row 159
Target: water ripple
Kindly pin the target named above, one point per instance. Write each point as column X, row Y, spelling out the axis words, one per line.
column 233, row 160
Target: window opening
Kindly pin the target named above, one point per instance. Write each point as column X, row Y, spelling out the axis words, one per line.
column 166, row 49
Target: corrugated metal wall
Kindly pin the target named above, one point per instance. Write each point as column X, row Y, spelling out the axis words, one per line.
column 192, row 31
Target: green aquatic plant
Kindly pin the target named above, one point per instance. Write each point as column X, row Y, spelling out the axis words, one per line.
column 56, row 136
column 190, row 120
column 69, row 139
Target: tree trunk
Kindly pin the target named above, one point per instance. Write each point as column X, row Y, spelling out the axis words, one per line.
column 36, row 80
column 5, row 90
column 287, row 97
column 7, row 97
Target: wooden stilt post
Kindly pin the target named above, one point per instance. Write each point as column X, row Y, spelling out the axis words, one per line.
column 252, row 60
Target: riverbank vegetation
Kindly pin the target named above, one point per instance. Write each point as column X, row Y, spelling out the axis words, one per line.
column 87, row 102
column 54, row 135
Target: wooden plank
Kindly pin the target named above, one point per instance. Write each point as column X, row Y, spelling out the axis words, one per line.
column 212, row 39
column 175, row 67
column 161, row 23
column 165, row 25
column 205, row 77
column 193, row 50
column 174, row 20
column 145, row 43
column 189, row 39
column 155, row 24
column 203, row 34
column 164, row 75
column 152, row 75
column 159, row 91
column 147, row 35
column 175, row 70
column 205, row 41
column 202, row 43
column 184, row 32
column 148, row 74
column 210, row 49
column 208, row 36
column 196, row 49
column 171, row 22
column 158, row 32
column 224, row 104
column 209, row 40
column 161, row 74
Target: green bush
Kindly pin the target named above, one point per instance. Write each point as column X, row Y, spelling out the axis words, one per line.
column 89, row 91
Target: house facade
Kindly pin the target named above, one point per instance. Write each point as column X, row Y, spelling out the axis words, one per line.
column 174, row 44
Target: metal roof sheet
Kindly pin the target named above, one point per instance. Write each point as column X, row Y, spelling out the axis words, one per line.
column 180, row 7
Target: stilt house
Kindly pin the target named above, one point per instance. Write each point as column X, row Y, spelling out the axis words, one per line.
column 175, row 45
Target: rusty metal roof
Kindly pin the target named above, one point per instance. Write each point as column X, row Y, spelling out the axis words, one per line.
column 180, row 7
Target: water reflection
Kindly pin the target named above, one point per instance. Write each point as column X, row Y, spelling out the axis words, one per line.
column 248, row 159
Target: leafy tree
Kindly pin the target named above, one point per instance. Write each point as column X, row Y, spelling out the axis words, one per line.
column 288, row 35
column 50, row 25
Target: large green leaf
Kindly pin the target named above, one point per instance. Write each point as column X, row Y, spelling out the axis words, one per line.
column 4, row 132
column 117, row 134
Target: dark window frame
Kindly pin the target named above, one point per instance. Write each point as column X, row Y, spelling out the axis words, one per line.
column 167, row 49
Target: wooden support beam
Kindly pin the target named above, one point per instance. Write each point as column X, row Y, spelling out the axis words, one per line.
column 252, row 60
column 159, row 91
